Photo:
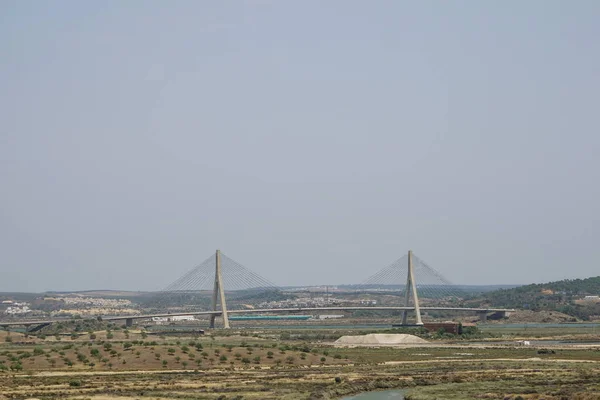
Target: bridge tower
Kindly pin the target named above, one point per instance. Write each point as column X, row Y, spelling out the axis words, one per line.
column 219, row 294
column 411, row 287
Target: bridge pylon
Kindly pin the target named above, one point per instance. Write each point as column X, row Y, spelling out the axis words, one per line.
column 219, row 294
column 411, row 287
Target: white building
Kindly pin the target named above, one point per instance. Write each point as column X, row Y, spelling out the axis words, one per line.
column 330, row 316
column 174, row 318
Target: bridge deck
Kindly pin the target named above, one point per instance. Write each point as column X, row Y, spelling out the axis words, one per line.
column 264, row 310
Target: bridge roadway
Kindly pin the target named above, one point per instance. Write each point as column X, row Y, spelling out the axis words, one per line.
column 482, row 312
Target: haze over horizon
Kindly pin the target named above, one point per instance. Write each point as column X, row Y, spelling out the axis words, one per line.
column 314, row 143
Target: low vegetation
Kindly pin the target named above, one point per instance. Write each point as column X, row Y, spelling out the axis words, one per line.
column 279, row 365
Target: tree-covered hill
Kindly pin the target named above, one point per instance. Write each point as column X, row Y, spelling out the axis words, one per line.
column 564, row 296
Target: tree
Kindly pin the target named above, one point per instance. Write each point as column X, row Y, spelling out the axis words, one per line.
column 164, row 363
column 323, row 359
column 269, row 354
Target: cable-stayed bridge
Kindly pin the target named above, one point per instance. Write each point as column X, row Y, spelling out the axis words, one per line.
column 220, row 286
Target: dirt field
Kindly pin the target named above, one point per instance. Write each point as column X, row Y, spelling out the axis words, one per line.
column 125, row 365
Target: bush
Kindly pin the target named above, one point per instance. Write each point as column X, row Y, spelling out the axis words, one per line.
column 75, row 383
column 16, row 366
column 338, row 379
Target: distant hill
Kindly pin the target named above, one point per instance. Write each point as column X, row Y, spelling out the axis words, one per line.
column 566, row 296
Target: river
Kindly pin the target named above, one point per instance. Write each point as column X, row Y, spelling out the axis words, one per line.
column 384, row 395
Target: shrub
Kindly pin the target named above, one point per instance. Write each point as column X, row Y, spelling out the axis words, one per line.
column 16, row 366
column 75, row 383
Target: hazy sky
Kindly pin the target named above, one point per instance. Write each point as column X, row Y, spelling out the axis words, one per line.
column 313, row 142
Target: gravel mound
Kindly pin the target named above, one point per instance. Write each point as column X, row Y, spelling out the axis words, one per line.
column 381, row 339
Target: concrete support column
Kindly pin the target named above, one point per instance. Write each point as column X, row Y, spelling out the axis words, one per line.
column 219, row 294
column 129, row 322
column 411, row 286
column 482, row 316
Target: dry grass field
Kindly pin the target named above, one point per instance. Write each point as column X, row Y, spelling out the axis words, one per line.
column 120, row 364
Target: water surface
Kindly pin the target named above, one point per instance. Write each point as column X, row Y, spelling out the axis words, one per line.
column 384, row 395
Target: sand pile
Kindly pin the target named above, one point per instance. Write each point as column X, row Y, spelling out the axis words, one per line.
column 381, row 339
